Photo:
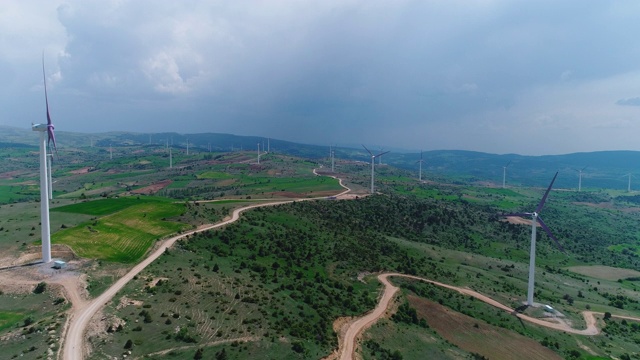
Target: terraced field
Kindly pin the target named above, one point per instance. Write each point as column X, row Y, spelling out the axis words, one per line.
column 123, row 236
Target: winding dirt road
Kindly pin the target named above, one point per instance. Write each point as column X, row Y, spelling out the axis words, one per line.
column 73, row 345
column 357, row 327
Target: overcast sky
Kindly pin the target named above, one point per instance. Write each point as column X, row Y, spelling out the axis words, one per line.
column 527, row 77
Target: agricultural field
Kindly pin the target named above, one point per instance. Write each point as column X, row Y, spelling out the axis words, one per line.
column 125, row 232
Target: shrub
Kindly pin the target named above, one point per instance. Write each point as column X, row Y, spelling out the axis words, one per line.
column 40, row 288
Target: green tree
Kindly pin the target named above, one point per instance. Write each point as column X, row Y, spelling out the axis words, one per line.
column 40, row 288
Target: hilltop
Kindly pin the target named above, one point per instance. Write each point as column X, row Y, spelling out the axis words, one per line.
column 604, row 169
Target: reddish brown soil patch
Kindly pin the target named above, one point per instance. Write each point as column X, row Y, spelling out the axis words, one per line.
column 10, row 174
column 602, row 205
column 518, row 220
column 287, row 194
column 476, row 336
column 225, row 182
column 84, row 170
column 153, row 188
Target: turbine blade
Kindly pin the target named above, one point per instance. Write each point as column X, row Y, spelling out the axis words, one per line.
column 509, row 163
column 51, row 139
column 544, row 198
column 584, row 168
column 548, row 231
column 46, row 98
column 420, row 155
column 370, row 153
column 381, row 154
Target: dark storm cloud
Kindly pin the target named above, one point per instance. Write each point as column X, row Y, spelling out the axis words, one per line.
column 629, row 102
column 485, row 75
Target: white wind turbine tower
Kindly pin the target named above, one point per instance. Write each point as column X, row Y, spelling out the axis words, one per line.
column 110, row 153
column 268, row 145
column 170, row 159
column 258, row 153
column 45, row 142
column 629, row 182
column 380, row 157
column 333, row 158
column 580, row 178
column 373, row 163
column 49, row 171
column 504, row 175
column 535, row 219
column 187, row 147
column 420, row 171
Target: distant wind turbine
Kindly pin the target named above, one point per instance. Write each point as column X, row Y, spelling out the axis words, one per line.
column 45, row 142
column 110, row 153
column 373, row 163
column 629, row 182
column 420, row 171
column 258, row 153
column 580, row 178
column 535, row 219
column 333, row 158
column 170, row 159
column 380, row 157
column 504, row 175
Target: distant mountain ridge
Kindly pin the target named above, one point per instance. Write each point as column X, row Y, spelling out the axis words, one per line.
column 604, row 169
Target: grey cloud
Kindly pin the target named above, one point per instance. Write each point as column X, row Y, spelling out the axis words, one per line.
column 635, row 101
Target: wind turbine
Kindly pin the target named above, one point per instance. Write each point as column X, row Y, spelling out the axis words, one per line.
column 187, row 147
column 373, row 163
column 170, row 159
column 258, row 153
column 333, row 158
column 504, row 175
column 535, row 219
column 420, row 163
column 629, row 183
column 580, row 178
column 45, row 142
column 110, row 153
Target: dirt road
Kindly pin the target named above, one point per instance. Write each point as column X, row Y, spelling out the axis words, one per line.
column 355, row 329
column 73, row 345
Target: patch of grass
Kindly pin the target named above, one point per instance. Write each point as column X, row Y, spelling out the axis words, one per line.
column 107, row 206
column 605, row 272
column 9, row 319
column 124, row 236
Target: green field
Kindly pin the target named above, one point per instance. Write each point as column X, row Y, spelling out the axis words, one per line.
column 107, row 206
column 9, row 319
column 124, row 236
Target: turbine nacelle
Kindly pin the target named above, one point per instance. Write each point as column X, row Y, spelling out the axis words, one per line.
column 39, row 127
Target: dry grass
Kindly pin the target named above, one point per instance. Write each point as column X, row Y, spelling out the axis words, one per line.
column 604, row 272
column 476, row 336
